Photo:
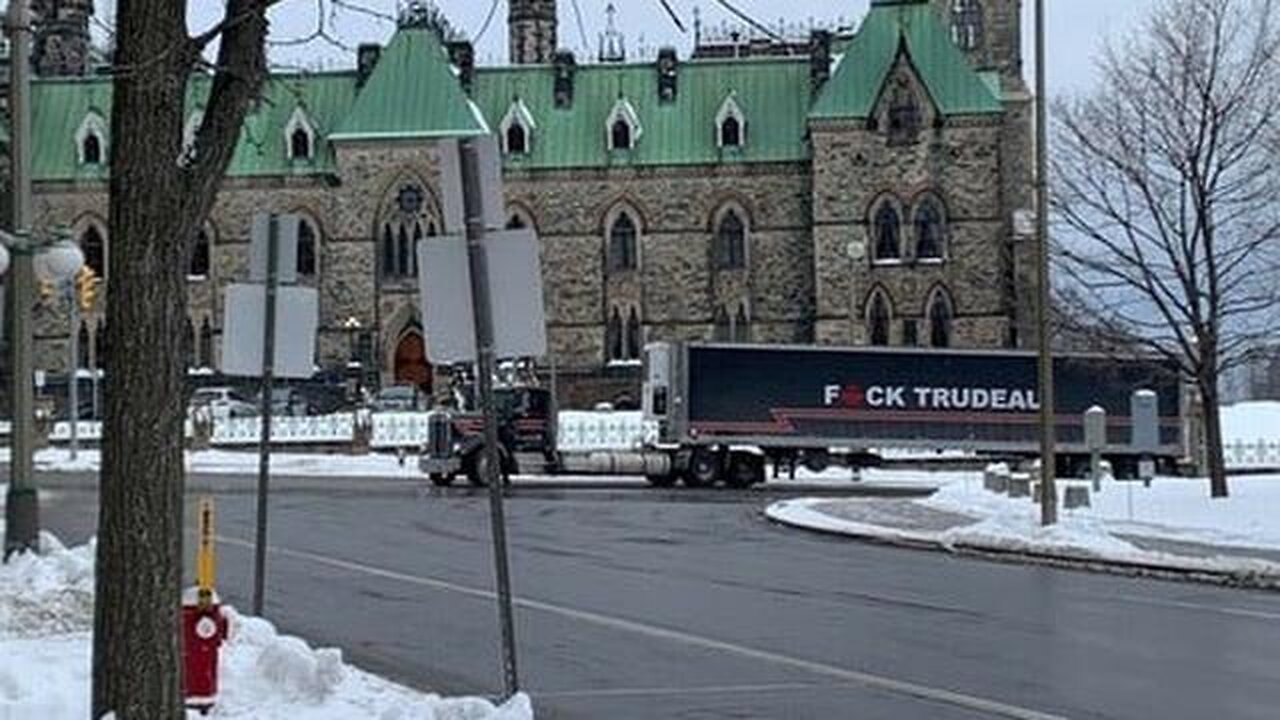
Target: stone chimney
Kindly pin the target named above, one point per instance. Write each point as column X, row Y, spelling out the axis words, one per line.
column 367, row 56
column 532, row 26
column 668, row 75
column 463, row 56
column 60, row 45
column 819, row 59
column 566, row 67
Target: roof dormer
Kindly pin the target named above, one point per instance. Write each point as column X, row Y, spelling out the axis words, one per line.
column 300, row 136
column 517, row 129
column 623, row 129
column 731, row 124
column 91, row 139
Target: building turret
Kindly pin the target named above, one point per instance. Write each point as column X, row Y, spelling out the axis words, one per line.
column 61, row 45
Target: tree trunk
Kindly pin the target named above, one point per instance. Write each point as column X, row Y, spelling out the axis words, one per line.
column 1215, row 460
column 139, row 555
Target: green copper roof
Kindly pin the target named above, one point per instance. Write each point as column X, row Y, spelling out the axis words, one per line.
column 412, row 93
column 773, row 95
column 913, row 25
column 61, row 105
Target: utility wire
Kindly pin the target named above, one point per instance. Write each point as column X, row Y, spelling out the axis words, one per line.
column 582, row 28
column 493, row 10
column 672, row 14
column 748, row 19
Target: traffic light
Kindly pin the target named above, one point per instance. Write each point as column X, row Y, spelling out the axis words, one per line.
column 87, row 282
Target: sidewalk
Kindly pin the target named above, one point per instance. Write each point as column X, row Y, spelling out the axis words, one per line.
column 969, row 520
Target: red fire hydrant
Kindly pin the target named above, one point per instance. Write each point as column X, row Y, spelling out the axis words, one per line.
column 204, row 629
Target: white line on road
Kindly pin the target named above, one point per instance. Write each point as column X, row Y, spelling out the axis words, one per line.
column 698, row 690
column 865, row 679
column 1232, row 611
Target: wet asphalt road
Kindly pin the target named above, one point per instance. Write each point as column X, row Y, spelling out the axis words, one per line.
column 657, row 604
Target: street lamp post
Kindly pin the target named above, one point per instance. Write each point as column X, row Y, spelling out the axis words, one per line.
column 353, row 326
column 1044, row 364
column 54, row 261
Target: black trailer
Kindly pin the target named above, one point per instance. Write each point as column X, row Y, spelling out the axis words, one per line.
column 723, row 409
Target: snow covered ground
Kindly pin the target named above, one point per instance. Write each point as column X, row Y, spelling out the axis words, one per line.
column 1243, row 530
column 46, row 609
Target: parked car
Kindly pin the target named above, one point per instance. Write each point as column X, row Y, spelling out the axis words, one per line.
column 287, row 401
column 398, row 398
column 223, row 402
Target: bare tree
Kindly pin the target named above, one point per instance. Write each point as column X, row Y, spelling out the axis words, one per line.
column 1164, row 193
column 157, row 204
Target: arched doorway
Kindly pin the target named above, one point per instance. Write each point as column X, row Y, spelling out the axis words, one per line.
column 411, row 361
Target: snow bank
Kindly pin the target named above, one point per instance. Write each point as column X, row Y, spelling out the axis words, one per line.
column 46, row 609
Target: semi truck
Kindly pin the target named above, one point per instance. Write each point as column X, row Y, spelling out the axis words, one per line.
column 725, row 412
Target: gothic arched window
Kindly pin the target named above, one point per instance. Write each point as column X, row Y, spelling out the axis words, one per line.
column 966, row 23
column 886, row 232
column 730, row 246
column 742, row 325
column 731, row 132
column 517, row 139
column 410, row 223
column 300, row 144
column 620, row 135
column 622, row 244
column 100, row 345
column 634, row 339
column 613, row 336
column 83, row 349
column 941, row 314
column 306, row 249
column 722, row 330
column 91, row 150
column 878, row 319
column 206, row 344
column 199, row 267
column 95, row 251
column 930, row 230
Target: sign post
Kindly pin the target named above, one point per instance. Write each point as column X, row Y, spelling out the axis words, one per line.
column 270, row 332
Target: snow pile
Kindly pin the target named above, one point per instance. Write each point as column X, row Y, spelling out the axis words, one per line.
column 46, row 609
column 49, row 594
column 1240, row 534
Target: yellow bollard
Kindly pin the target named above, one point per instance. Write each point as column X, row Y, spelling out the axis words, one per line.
column 205, row 554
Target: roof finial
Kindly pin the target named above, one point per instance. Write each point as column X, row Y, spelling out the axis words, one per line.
column 613, row 46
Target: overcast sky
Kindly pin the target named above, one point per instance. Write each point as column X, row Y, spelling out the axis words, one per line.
column 1077, row 28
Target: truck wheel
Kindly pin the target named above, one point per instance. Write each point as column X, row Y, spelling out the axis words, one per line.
column 442, row 480
column 704, row 468
column 474, row 467
column 745, row 470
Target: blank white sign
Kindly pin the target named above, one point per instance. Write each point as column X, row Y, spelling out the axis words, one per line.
column 297, row 315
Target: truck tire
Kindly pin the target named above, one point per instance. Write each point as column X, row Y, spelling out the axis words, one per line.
column 474, row 467
column 745, row 470
column 704, row 468
column 441, row 479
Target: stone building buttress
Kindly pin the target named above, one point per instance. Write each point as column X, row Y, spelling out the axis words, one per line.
column 533, row 31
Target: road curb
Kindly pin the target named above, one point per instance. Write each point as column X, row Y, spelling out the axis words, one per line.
column 1124, row 568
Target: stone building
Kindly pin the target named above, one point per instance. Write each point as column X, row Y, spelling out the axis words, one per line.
column 864, row 191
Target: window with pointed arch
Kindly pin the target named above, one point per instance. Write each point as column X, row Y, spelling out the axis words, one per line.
column 729, row 249
column 206, row 343
column 941, row 316
column 199, row 266
column 620, row 135
column 100, row 345
column 94, row 248
column 930, row 230
column 966, row 23
column 300, row 144
column 635, row 335
column 879, row 319
column 613, row 341
column 741, row 325
column 731, row 132
column 84, row 348
column 622, row 255
column 722, row 325
column 517, row 139
column 402, row 233
column 886, row 233
column 91, row 149
column 307, row 248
